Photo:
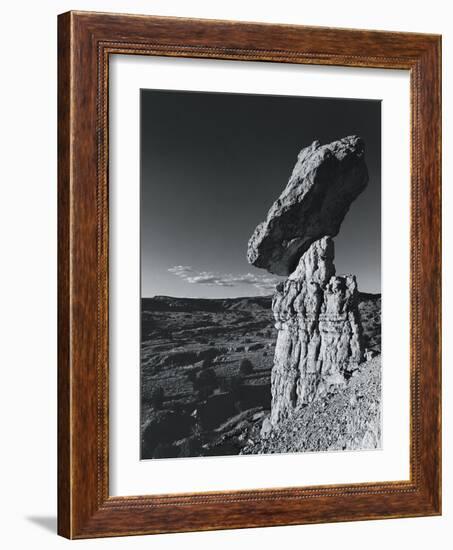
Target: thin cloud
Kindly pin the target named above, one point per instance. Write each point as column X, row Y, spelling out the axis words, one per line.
column 181, row 270
column 261, row 282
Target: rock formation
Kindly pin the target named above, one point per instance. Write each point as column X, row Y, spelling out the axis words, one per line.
column 319, row 339
column 325, row 181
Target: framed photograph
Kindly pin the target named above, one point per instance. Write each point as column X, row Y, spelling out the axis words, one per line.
column 249, row 275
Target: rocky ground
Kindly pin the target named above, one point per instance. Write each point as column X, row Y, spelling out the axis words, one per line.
column 348, row 418
column 205, row 381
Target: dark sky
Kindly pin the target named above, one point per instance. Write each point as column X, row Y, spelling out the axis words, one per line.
column 212, row 164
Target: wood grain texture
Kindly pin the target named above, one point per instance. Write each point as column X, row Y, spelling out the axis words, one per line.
column 64, row 373
column 86, row 40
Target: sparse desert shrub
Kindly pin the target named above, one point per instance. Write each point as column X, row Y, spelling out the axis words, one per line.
column 204, row 392
column 210, row 353
column 205, row 382
column 207, row 377
column 157, row 398
column 231, row 384
column 246, row 366
column 192, row 376
column 224, row 384
column 206, row 363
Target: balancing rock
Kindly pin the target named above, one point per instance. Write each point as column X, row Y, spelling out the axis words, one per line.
column 325, row 181
column 319, row 342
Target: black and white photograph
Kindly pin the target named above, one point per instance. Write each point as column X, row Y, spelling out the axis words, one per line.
column 228, row 266
column 260, row 232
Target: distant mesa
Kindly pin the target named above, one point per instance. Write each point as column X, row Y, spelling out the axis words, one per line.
column 211, row 305
column 325, row 181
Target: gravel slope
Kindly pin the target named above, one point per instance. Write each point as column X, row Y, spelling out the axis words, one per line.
column 347, row 419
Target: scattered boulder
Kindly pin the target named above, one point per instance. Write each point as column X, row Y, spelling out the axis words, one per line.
column 266, row 428
column 369, row 354
column 246, row 366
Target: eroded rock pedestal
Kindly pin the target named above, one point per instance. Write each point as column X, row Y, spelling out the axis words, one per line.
column 316, row 312
column 319, row 335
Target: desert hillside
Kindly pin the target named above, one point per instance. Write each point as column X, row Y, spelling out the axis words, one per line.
column 206, row 367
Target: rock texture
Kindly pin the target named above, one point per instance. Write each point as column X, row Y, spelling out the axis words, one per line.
column 178, row 335
column 347, row 419
column 325, row 181
column 319, row 342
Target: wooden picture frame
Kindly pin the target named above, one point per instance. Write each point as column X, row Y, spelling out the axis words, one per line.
column 85, row 42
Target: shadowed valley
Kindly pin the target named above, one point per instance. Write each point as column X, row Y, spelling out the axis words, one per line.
column 206, row 373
